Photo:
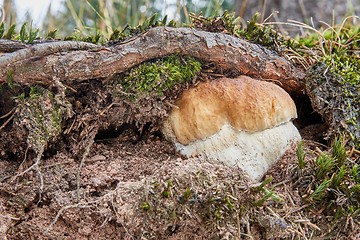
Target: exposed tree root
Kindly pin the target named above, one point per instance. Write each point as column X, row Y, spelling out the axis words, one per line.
column 72, row 61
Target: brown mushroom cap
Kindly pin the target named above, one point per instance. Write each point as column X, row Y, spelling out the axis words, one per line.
column 244, row 103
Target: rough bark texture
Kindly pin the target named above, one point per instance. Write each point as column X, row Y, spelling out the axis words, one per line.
column 70, row 61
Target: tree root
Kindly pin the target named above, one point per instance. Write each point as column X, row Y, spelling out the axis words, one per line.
column 83, row 61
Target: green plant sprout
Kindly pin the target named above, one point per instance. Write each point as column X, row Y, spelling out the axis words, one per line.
column 28, row 37
column 2, row 29
column 334, row 177
column 301, row 155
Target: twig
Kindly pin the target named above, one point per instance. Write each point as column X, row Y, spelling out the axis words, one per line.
column 7, row 121
column 307, row 222
column 171, row 105
column 353, row 150
column 37, row 162
column 7, row 114
column 78, row 205
column 9, row 217
column 37, row 169
column 108, row 107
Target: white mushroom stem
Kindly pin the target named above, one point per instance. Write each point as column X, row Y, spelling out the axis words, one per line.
column 254, row 153
column 241, row 122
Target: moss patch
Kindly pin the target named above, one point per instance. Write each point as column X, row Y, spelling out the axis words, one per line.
column 41, row 112
column 335, row 182
column 333, row 82
column 337, row 100
column 196, row 198
column 253, row 32
column 158, row 76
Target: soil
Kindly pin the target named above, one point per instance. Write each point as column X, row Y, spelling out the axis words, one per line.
column 132, row 184
column 111, row 186
column 109, row 162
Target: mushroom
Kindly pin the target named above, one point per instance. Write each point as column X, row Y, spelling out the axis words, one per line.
column 241, row 122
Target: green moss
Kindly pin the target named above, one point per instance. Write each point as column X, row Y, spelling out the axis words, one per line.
column 333, row 81
column 166, row 194
column 77, row 35
column 324, row 164
column 28, row 35
column 262, row 34
column 2, row 29
column 145, row 206
column 129, row 31
column 334, row 92
column 339, row 151
column 229, row 203
column 10, row 33
column 266, row 193
column 335, row 181
column 301, row 155
column 10, row 78
column 213, row 200
column 42, row 114
column 355, row 173
column 347, row 66
column 310, row 41
column 253, row 32
column 185, row 196
column 158, row 76
column 320, row 192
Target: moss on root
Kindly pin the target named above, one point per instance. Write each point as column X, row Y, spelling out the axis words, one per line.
column 333, row 80
column 335, row 95
column 41, row 112
column 253, row 31
column 148, row 90
column 158, row 76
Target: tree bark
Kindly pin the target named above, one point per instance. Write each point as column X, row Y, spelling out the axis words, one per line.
column 76, row 61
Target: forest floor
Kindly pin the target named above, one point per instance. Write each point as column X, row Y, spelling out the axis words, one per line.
column 106, row 201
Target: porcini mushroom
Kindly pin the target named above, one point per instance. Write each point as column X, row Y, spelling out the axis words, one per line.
column 241, row 122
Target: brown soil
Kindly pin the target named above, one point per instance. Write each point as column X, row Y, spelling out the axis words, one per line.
column 134, row 185
column 112, row 189
column 110, row 162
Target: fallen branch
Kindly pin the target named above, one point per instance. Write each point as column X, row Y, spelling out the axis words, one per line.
column 73, row 61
